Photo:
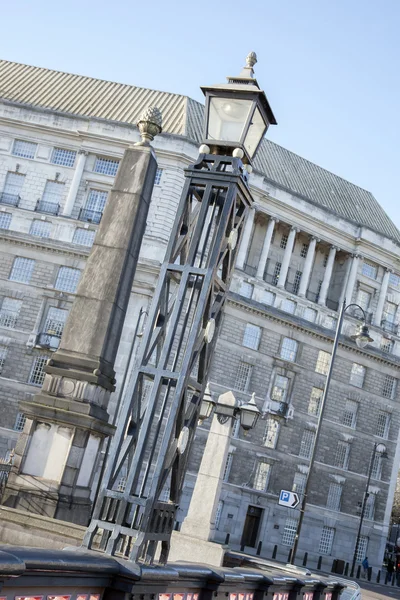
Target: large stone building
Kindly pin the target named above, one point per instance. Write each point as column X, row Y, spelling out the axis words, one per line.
column 311, row 240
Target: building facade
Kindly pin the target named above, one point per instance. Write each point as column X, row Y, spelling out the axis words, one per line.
column 311, row 241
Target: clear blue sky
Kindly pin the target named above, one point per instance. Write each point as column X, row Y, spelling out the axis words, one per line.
column 330, row 67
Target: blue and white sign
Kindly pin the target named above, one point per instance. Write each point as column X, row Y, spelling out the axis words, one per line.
column 289, row 499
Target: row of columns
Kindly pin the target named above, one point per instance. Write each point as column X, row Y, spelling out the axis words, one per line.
column 75, row 183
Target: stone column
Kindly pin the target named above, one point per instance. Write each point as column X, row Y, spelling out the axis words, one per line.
column 382, row 298
column 352, row 278
column 265, row 249
column 244, row 246
column 286, row 258
column 327, row 276
column 308, row 263
column 75, row 183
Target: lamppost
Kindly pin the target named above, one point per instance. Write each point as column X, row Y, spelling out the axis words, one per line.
column 248, row 413
column 380, row 449
column 362, row 338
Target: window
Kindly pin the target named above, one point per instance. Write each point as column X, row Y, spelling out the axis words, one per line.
column 65, row 158
column 157, row 180
column 9, row 312
column 37, row 374
column 389, row 313
column 362, row 548
column 22, row 270
column 386, row 345
column 12, row 188
column 277, row 272
column 334, row 496
column 382, row 424
column 310, row 315
column 228, row 466
column 369, row 270
column 289, row 532
column 284, row 241
column 106, row 166
column 236, row 428
column 289, row 349
column 5, row 220
column 246, row 289
column 94, row 207
column 271, row 432
column 370, row 507
column 55, row 321
column 52, row 195
column 377, row 466
column 357, row 375
column 307, row 443
column 267, row 298
column 218, row 514
column 394, row 280
column 121, row 485
column 299, row 483
column 326, row 541
column 341, row 459
column 84, row 237
column 243, row 374
column 67, row 279
column 20, row 422
column 288, row 306
column 24, row 149
column 261, row 476
column 349, row 415
column 325, row 261
column 280, row 389
column 315, row 401
column 323, row 361
column 363, row 299
column 252, row 336
column 3, row 355
column 303, row 251
column 296, row 281
column 40, row 228
column 389, row 387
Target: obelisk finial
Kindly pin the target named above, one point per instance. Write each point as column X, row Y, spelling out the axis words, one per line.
column 149, row 125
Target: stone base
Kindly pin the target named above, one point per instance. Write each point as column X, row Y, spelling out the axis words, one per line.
column 190, row 549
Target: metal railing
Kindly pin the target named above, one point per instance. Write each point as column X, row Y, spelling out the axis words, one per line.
column 51, row 208
column 9, row 199
column 389, row 326
column 48, row 340
column 90, row 216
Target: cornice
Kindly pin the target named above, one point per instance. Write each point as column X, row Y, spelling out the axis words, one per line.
column 52, row 246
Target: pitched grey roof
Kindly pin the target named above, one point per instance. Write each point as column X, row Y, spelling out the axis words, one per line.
column 89, row 97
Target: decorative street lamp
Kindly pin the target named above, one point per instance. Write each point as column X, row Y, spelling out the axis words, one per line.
column 361, row 338
column 248, row 413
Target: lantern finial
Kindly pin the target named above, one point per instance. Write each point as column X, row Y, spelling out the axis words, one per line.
column 251, row 59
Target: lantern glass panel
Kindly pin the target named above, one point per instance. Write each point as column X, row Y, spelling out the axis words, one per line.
column 227, row 118
column 255, row 133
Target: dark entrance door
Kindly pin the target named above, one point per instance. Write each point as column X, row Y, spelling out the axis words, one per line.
column 251, row 526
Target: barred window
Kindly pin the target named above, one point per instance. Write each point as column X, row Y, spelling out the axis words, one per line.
column 157, row 180
column 369, row 270
column 325, row 261
column 22, row 269
column 334, row 496
column 37, row 373
column 67, row 279
column 84, row 237
column 13, row 186
column 235, row 428
column 288, row 306
column 3, row 356
column 96, row 200
column 394, row 280
column 314, row 404
column 307, row 443
column 389, row 387
column 289, row 532
column 121, row 485
column 24, row 149
column 9, row 312
column 218, row 514
column 349, row 415
column 289, row 349
column 271, row 432
column 323, row 361
column 228, row 466
column 304, row 250
column 277, row 272
column 40, row 228
column 243, row 374
column 53, row 193
column 377, row 466
column 65, row 158
column 261, row 476
column 386, row 345
column 299, row 483
column 357, row 375
column 362, row 548
column 20, row 422
column 370, row 507
column 106, row 166
column 284, row 241
column 330, row 322
column 246, row 289
column 389, row 313
column 267, row 298
column 326, row 541
column 252, row 336
column 55, row 321
column 280, row 389
column 5, row 220
column 310, row 315
column 382, row 424
column 296, row 282
column 342, row 454
column 363, row 299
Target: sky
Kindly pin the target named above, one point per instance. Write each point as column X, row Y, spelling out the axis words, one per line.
column 330, row 68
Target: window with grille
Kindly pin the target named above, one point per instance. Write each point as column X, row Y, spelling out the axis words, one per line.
column 40, row 228
column 307, row 442
column 24, row 149
column 280, row 389
column 323, row 361
column 20, row 422
column 357, row 375
column 325, row 261
column 377, row 466
column 236, row 428
column 362, row 548
column 3, row 356
column 299, row 483
column 267, row 298
column 106, row 166
column 261, row 476
column 330, row 322
column 288, row 306
column 243, row 374
column 394, row 280
column 53, row 192
column 277, row 272
column 37, row 373
column 271, row 432
column 334, row 496
column 342, row 454
column 314, row 404
column 326, row 541
column 218, row 513
column 22, row 270
column 252, row 336
column 304, row 250
column 228, row 466
column 349, row 415
column 363, row 299
column 369, row 270
column 284, row 241
column 121, row 485
column 13, row 185
column 389, row 387
column 370, row 507
column 65, row 158
column 289, row 349
column 246, row 289
column 5, row 220
column 55, row 321
column 84, row 237
column 67, row 279
column 296, row 281
column 382, row 424
column 310, row 315
column 96, row 201
column 389, row 313
column 9, row 312
column 386, row 345
column 289, row 532
column 157, row 180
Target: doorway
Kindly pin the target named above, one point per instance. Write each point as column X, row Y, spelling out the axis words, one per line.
column 251, row 526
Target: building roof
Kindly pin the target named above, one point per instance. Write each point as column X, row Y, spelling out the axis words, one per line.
column 89, row 97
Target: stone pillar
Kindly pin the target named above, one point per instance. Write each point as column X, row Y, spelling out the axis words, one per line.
column 244, row 246
column 308, row 263
column 265, row 249
column 382, row 298
column 75, row 183
column 327, row 276
column 286, row 258
column 352, row 278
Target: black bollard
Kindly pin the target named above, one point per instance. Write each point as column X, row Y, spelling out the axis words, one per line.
column 242, row 548
column 305, row 559
column 275, row 550
column 228, row 535
column 259, row 548
column 290, row 555
column 333, row 569
column 319, row 563
column 346, row 570
column 177, row 526
column 358, row 572
column 393, row 578
column 378, row 577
